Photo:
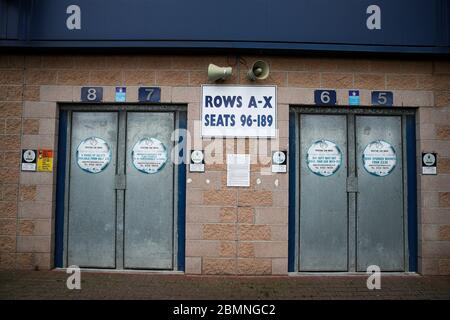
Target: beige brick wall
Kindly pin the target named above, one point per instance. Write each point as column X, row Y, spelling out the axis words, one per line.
column 228, row 230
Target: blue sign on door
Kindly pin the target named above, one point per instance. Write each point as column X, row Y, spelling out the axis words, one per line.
column 353, row 98
column 121, row 94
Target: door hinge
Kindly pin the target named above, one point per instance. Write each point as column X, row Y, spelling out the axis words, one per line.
column 352, row 184
column 121, row 182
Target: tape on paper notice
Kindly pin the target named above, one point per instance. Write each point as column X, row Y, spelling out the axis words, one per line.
column 238, row 170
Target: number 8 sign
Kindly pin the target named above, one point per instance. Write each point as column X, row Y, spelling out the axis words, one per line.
column 91, row 94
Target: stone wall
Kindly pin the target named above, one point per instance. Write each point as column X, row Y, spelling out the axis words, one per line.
column 228, row 230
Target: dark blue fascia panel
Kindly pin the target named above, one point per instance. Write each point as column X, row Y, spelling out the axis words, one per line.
column 417, row 26
column 12, row 27
column 3, row 19
column 279, row 47
column 14, row 20
column 404, row 22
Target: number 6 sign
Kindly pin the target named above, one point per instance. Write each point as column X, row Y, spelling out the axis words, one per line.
column 325, row 97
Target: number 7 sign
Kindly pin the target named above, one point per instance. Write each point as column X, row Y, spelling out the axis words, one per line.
column 149, row 94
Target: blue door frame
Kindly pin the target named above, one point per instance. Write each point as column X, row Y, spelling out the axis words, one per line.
column 60, row 189
column 411, row 191
column 61, row 192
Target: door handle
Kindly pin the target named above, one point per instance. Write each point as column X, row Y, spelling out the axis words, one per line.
column 120, row 182
column 352, row 184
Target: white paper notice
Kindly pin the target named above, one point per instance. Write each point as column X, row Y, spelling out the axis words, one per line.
column 238, row 170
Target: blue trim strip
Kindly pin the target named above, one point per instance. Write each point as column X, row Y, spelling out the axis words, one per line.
column 292, row 193
column 182, row 196
column 280, row 47
column 412, row 191
column 60, row 190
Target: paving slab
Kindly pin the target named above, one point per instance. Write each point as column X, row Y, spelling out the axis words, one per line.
column 117, row 285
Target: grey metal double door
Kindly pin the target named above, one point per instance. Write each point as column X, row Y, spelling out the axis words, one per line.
column 121, row 190
column 351, row 193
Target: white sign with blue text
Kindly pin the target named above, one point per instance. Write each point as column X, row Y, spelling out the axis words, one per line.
column 239, row 111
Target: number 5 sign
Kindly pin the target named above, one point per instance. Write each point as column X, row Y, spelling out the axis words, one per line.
column 325, row 97
column 382, row 98
column 91, row 94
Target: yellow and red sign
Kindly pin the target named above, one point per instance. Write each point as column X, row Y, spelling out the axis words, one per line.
column 45, row 160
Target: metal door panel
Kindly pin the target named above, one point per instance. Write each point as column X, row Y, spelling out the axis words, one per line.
column 92, row 207
column 380, row 224
column 323, row 200
column 149, row 209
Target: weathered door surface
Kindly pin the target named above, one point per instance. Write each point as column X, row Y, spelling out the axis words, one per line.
column 323, row 195
column 121, row 190
column 92, row 198
column 149, row 196
column 379, row 218
column 339, row 232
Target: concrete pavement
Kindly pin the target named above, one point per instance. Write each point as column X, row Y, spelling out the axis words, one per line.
column 118, row 285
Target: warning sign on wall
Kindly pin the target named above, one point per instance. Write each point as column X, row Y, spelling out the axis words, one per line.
column 45, row 160
column 28, row 160
column 429, row 163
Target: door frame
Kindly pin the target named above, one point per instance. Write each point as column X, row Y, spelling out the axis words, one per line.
column 408, row 119
column 62, row 178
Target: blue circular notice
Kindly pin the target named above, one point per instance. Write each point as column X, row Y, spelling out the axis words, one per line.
column 379, row 158
column 149, row 155
column 93, row 155
column 324, row 158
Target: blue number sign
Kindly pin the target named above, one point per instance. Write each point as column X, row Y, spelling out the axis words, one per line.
column 382, row 98
column 325, row 97
column 149, row 94
column 91, row 94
